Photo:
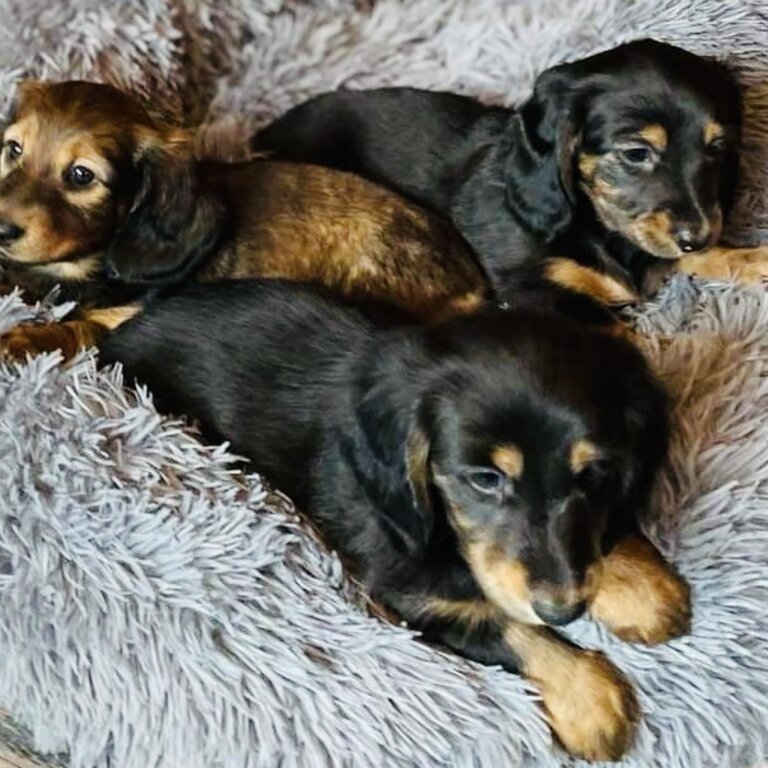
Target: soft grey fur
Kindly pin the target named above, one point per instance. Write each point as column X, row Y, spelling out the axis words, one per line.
column 161, row 609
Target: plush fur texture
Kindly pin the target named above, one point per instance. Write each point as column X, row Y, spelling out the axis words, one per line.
column 160, row 610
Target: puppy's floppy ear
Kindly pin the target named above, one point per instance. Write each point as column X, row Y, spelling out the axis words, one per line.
column 173, row 222
column 389, row 456
column 419, row 476
column 539, row 173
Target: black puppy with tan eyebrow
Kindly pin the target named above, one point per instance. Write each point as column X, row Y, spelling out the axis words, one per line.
column 104, row 200
column 485, row 477
column 618, row 169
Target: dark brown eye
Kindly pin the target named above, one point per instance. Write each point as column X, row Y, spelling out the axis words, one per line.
column 637, row 155
column 486, row 480
column 13, row 148
column 79, row 176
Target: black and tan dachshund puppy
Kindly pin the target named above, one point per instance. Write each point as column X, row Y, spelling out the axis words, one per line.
column 623, row 163
column 485, row 476
column 101, row 198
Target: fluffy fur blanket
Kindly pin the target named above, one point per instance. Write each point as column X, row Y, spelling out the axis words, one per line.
column 161, row 608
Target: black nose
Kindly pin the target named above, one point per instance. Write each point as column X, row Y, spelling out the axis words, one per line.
column 558, row 613
column 691, row 240
column 9, row 232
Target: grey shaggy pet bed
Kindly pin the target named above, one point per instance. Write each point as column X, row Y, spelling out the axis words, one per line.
column 161, row 608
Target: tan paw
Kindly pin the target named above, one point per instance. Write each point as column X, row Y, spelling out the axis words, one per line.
column 591, row 706
column 30, row 339
column 639, row 597
column 746, row 265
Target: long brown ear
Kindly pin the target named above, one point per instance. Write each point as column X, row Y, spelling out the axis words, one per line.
column 173, row 222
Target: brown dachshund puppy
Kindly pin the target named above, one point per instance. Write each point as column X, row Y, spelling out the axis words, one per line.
column 97, row 196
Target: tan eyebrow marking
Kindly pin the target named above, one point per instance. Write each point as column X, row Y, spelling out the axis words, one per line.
column 582, row 453
column 655, row 135
column 509, row 459
column 713, row 130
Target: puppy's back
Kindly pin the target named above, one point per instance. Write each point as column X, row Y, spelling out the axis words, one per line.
column 388, row 135
column 255, row 361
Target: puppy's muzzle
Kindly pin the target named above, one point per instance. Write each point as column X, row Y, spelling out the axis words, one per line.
column 692, row 238
column 558, row 611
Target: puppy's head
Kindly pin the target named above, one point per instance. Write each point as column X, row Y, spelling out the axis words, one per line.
column 531, row 436
column 643, row 137
column 85, row 171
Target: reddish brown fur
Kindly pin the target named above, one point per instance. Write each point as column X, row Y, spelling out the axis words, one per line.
column 151, row 203
column 639, row 597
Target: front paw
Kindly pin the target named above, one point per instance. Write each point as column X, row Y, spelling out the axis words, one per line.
column 745, row 265
column 592, row 707
column 33, row 339
column 639, row 597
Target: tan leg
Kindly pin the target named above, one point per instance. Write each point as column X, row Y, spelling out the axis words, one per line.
column 639, row 597
column 69, row 336
column 745, row 265
column 605, row 289
column 591, row 706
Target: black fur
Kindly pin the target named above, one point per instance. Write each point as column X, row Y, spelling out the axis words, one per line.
column 377, row 430
column 175, row 222
column 509, row 179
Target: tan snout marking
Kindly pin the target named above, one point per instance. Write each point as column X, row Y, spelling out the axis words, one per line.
column 42, row 241
column 503, row 581
column 576, row 277
column 509, row 459
column 639, row 597
column 653, row 232
column 713, row 131
column 655, row 135
column 582, row 453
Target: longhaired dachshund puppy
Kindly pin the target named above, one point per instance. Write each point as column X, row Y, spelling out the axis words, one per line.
column 618, row 169
column 99, row 197
column 484, row 476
